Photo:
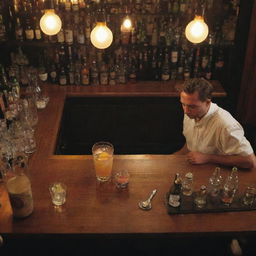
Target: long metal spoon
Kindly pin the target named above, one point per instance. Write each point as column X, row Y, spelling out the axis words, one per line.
column 146, row 205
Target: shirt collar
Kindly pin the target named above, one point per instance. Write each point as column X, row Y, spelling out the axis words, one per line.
column 212, row 109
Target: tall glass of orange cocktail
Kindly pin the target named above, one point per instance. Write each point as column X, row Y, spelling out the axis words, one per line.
column 103, row 160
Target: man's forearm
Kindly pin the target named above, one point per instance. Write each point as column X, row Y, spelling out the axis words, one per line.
column 239, row 161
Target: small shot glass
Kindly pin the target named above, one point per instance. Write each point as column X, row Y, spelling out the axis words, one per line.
column 249, row 195
column 121, row 179
column 58, row 193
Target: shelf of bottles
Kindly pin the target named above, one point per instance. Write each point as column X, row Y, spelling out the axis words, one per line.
column 155, row 48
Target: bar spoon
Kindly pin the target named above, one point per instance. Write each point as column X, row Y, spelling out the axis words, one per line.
column 146, row 205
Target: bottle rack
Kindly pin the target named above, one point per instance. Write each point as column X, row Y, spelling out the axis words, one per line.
column 155, row 49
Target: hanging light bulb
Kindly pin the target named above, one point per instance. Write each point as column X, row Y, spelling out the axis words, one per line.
column 126, row 25
column 101, row 36
column 50, row 23
column 197, row 30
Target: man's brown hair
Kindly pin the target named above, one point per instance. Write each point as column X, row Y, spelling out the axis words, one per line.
column 200, row 85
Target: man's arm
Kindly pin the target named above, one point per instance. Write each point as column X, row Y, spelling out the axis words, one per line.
column 183, row 151
column 248, row 161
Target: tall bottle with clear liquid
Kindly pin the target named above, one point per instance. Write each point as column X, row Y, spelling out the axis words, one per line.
column 230, row 187
column 215, row 183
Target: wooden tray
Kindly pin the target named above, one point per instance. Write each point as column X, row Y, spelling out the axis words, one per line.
column 213, row 205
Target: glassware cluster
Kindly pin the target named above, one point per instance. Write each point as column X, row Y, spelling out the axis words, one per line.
column 217, row 192
column 18, row 119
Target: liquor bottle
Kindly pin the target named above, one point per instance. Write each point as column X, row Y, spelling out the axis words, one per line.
column 29, row 31
column 125, row 37
column 162, row 33
column 77, row 73
column 187, row 184
column 215, row 183
column 38, row 32
column 140, row 65
column 104, row 75
column 112, row 73
column 174, row 192
column 208, row 71
column 85, row 73
column 75, row 6
column 219, row 62
column 141, row 35
column 3, row 79
column 197, row 68
column 154, row 70
column 183, row 7
column 160, row 59
column 62, row 76
column 94, row 73
column 134, row 36
column 133, row 71
column 180, row 65
column 173, row 71
column 71, row 72
column 187, row 70
column 69, row 36
column 175, row 7
column 165, row 75
column 121, row 74
column 145, row 65
column 169, row 36
column 201, row 197
column 53, row 73
column 10, row 24
column 61, row 54
column 18, row 30
column 19, row 187
column 80, row 35
column 205, row 58
column 82, row 4
column 88, row 21
column 42, row 70
column 3, row 34
column 70, row 52
column 137, row 6
column 14, row 84
column 154, row 38
column 2, row 117
column 68, row 5
column 61, row 36
column 230, row 187
column 176, row 186
column 149, row 26
column 75, row 32
column 163, row 6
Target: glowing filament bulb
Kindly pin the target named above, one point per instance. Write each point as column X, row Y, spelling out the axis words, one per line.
column 197, row 30
column 101, row 36
column 50, row 23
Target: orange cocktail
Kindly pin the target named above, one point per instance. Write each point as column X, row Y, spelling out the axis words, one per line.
column 103, row 160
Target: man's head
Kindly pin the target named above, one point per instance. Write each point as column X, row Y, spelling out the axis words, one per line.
column 196, row 97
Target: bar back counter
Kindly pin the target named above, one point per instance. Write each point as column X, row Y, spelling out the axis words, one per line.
column 96, row 216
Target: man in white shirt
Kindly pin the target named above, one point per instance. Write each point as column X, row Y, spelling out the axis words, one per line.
column 212, row 134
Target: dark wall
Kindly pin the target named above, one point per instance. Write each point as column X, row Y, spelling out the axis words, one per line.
column 237, row 57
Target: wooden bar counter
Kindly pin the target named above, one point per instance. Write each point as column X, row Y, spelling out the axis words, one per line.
column 93, row 208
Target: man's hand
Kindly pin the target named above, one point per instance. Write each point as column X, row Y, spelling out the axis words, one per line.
column 247, row 162
column 197, row 158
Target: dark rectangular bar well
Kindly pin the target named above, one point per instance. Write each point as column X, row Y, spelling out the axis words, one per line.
column 137, row 125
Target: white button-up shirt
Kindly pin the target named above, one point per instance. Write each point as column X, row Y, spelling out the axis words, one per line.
column 216, row 133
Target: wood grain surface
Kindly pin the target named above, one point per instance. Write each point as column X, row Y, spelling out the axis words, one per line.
column 93, row 208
